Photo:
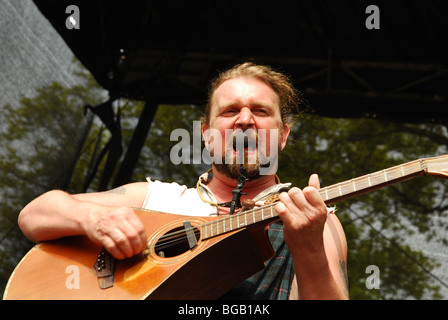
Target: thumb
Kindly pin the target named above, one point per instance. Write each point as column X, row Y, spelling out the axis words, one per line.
column 314, row 181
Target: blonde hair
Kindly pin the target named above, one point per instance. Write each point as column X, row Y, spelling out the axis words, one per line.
column 280, row 83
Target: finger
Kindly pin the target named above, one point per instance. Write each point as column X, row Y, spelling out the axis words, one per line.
column 308, row 201
column 314, row 181
column 284, row 213
column 128, row 231
column 313, row 197
column 289, row 203
column 121, row 242
column 112, row 248
column 296, row 199
column 134, row 238
column 140, row 240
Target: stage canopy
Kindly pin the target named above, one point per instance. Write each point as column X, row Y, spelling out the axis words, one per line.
column 169, row 50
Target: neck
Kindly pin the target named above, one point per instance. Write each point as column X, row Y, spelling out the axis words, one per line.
column 222, row 186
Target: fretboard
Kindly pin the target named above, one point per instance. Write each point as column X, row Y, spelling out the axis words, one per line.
column 330, row 194
column 238, row 221
column 376, row 180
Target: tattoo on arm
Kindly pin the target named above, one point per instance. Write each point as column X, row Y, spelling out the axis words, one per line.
column 119, row 190
column 344, row 276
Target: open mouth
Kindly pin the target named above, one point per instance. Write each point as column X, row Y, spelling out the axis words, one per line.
column 244, row 143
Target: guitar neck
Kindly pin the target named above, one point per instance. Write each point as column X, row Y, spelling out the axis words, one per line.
column 330, row 194
column 372, row 181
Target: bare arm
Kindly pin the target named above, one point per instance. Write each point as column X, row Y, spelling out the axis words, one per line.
column 317, row 243
column 105, row 217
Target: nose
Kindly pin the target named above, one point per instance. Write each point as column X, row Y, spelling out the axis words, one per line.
column 245, row 119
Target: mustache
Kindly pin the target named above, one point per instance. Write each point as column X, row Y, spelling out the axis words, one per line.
column 244, row 140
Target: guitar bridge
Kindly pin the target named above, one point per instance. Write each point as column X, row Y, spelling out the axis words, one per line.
column 105, row 269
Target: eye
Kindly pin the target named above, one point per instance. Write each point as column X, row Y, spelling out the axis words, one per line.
column 229, row 112
column 260, row 112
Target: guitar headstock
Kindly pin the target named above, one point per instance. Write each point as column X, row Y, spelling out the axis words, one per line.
column 436, row 166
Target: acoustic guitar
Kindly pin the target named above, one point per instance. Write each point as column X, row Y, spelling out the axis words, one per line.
column 187, row 257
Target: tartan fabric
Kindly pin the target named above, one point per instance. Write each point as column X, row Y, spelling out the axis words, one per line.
column 274, row 281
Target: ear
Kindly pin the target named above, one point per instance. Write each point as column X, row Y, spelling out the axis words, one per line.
column 285, row 135
column 205, row 133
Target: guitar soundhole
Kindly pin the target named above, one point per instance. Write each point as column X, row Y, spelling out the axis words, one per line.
column 175, row 242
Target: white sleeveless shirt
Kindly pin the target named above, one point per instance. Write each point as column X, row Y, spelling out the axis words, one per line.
column 179, row 199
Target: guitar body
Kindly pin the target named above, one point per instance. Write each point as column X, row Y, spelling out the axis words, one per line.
column 64, row 268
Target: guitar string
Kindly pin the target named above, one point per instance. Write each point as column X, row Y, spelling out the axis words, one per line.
column 181, row 235
column 173, row 238
column 346, row 187
column 176, row 237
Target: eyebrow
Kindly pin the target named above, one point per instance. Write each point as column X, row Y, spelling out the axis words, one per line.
column 237, row 105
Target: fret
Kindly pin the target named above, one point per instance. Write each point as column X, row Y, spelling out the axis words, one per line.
column 346, row 187
column 262, row 213
column 362, row 183
column 377, row 179
column 370, row 180
column 394, row 174
column 241, row 224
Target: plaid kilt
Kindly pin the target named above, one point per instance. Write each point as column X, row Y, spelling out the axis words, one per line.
column 274, row 281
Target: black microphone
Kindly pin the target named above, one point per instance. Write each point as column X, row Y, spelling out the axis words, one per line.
column 240, row 142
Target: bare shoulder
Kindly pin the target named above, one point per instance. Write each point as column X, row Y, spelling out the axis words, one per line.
column 131, row 195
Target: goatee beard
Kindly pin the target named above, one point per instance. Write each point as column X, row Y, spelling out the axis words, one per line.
column 233, row 170
column 256, row 163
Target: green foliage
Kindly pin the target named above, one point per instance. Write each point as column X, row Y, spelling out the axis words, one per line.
column 377, row 224
column 47, row 142
column 41, row 141
column 155, row 160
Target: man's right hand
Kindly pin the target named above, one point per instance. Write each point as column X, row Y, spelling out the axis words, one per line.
column 118, row 229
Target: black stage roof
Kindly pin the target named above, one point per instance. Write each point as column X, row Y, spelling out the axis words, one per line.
column 139, row 49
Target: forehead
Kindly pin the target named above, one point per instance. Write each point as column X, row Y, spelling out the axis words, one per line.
column 244, row 91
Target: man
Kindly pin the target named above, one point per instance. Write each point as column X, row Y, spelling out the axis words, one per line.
column 312, row 263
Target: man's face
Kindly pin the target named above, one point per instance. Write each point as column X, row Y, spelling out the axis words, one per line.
column 240, row 104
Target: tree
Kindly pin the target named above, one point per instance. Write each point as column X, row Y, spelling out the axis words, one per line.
column 41, row 141
column 377, row 224
column 48, row 142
